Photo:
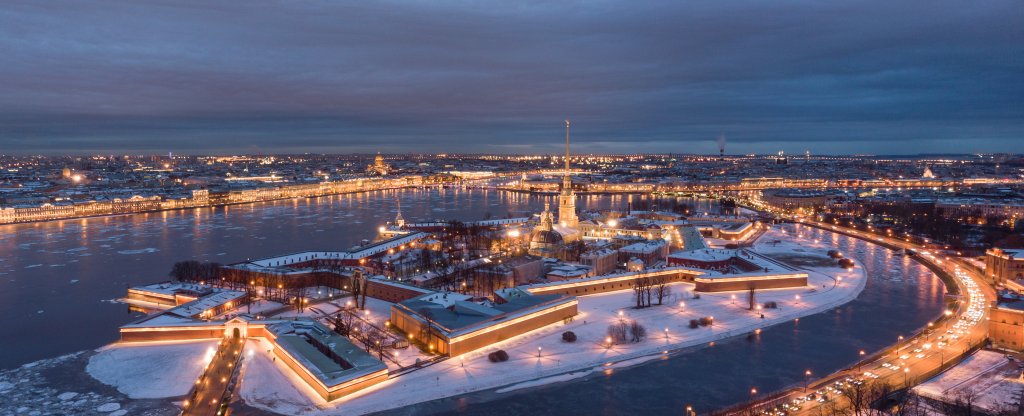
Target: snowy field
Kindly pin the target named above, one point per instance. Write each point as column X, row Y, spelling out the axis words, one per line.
column 150, row 371
column 987, row 374
column 540, row 357
column 270, row 385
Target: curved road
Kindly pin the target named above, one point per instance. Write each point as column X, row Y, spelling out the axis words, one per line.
column 911, row 360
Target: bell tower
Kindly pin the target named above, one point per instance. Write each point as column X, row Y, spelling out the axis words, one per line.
column 567, row 198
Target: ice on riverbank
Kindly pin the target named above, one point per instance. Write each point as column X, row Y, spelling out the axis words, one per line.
column 148, row 371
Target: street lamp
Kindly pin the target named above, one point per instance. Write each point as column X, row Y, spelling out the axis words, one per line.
column 538, row 352
column 807, row 379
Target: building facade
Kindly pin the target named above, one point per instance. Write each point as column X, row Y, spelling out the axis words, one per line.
column 1004, row 264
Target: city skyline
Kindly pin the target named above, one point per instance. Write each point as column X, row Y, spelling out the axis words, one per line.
column 854, row 78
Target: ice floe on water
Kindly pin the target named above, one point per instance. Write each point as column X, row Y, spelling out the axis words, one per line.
column 139, row 251
column 50, row 387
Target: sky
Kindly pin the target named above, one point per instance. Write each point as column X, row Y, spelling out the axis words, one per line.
column 831, row 77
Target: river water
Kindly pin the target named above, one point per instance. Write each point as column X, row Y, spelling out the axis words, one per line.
column 58, row 280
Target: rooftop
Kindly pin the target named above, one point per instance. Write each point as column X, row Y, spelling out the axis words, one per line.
column 455, row 314
column 328, row 356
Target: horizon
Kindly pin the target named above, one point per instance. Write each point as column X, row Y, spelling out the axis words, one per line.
column 554, row 154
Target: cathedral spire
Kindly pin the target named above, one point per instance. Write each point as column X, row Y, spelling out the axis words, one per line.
column 567, row 147
column 567, row 200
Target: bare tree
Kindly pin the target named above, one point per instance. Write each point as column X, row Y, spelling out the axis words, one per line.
column 618, row 331
column 638, row 292
column 962, row 403
column 637, row 331
column 661, row 289
column 642, row 291
column 858, row 397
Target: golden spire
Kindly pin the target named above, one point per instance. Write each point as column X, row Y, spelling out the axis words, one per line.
column 567, row 147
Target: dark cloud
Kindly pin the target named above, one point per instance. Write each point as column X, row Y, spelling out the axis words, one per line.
column 337, row 76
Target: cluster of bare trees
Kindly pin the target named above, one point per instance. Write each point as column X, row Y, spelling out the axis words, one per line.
column 646, row 289
column 624, row 330
column 195, row 271
column 473, row 238
column 347, row 324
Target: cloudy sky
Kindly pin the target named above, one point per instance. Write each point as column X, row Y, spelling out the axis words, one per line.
column 882, row 77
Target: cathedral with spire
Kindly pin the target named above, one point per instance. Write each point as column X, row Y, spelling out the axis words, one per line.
column 548, row 238
column 567, row 198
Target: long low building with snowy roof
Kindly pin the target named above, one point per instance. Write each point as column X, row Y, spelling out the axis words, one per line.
column 453, row 324
column 353, row 257
column 328, row 363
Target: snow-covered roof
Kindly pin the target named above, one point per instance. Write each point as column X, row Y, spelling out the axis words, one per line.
column 355, row 253
column 195, row 308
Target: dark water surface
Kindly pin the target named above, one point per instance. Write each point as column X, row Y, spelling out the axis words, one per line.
column 57, row 279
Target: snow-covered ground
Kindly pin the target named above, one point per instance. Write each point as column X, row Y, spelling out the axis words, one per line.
column 270, row 385
column 989, row 375
column 148, row 371
column 540, row 357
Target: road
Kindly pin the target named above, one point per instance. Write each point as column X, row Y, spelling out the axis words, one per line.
column 213, row 383
column 911, row 360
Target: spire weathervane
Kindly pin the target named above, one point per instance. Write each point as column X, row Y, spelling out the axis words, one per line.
column 566, row 147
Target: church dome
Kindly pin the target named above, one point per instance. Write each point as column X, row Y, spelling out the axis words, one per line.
column 545, row 237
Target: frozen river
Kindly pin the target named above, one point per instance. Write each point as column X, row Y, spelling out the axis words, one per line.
column 58, row 279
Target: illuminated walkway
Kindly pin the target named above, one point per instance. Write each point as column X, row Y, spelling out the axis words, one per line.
column 208, row 396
